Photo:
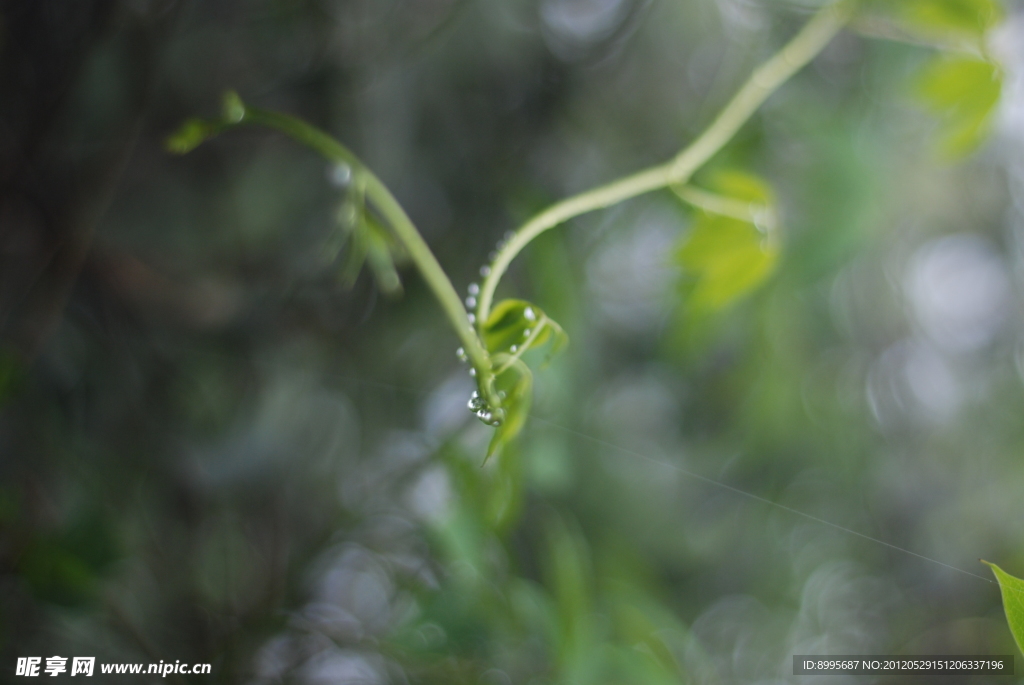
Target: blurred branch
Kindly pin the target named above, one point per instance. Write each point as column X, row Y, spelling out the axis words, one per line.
column 765, row 80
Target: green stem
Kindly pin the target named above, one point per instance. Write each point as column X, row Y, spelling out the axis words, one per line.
column 765, row 80
column 403, row 227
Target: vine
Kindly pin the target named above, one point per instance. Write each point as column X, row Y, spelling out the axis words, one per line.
column 733, row 242
column 501, row 401
column 734, row 246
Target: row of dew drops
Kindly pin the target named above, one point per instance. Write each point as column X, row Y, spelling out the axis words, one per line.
column 340, row 175
column 477, row 404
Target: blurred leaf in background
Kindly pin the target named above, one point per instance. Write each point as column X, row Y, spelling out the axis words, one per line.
column 964, row 92
column 731, row 248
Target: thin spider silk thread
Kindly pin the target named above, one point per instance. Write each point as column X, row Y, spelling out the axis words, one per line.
column 756, row 498
column 690, row 474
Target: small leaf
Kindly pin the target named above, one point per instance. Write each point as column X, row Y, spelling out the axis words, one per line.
column 232, row 108
column 726, row 257
column 380, row 257
column 369, row 243
column 512, row 328
column 1013, row 602
column 515, row 326
column 964, row 92
column 516, row 383
column 742, row 186
column 192, row 134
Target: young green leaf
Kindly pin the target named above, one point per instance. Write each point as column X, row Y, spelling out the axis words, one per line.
column 192, row 134
column 1013, row 601
column 742, row 186
column 195, row 132
column 368, row 243
column 515, row 326
column 964, row 92
column 730, row 249
column 516, row 382
column 380, row 256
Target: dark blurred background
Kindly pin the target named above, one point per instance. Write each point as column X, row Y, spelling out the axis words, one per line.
column 211, row 451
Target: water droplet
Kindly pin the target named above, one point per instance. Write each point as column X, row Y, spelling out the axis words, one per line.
column 340, row 174
column 527, row 333
column 485, row 271
column 500, row 246
column 480, row 408
column 509, row 235
column 461, row 354
column 473, row 289
column 472, row 372
column 476, row 403
column 470, row 302
column 472, row 317
column 489, row 418
column 514, row 349
column 529, row 314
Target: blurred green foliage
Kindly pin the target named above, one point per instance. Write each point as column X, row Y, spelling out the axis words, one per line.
column 965, row 91
column 212, row 451
column 728, row 256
